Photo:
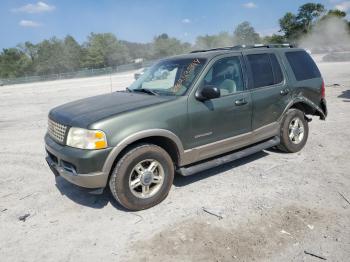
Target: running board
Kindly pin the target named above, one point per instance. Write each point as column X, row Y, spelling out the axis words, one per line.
column 196, row 168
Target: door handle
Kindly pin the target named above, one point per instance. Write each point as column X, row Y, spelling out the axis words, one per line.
column 241, row 102
column 284, row 92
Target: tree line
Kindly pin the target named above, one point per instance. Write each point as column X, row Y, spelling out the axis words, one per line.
column 101, row 50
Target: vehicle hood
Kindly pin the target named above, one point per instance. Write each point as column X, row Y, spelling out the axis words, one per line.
column 82, row 113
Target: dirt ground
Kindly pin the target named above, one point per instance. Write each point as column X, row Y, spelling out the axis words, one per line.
column 267, row 207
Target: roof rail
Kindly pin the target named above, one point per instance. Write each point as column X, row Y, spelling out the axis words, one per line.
column 274, row 45
column 212, row 49
column 238, row 47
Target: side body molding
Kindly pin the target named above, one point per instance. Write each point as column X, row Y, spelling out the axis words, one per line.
column 304, row 100
column 137, row 136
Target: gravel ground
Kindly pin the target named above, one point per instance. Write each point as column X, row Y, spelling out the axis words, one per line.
column 268, row 207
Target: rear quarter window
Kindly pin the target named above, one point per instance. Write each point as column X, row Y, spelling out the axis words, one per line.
column 302, row 65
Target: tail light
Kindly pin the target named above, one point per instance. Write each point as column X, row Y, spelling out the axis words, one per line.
column 323, row 90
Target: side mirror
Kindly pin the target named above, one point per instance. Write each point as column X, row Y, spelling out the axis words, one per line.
column 207, row 93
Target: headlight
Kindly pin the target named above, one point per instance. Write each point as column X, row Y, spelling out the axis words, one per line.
column 86, row 139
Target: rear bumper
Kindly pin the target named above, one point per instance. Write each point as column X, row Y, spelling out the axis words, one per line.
column 323, row 105
column 80, row 167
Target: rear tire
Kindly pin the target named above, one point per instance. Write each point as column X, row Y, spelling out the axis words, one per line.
column 143, row 177
column 294, row 131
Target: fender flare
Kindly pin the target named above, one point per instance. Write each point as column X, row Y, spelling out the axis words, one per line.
column 304, row 100
column 138, row 136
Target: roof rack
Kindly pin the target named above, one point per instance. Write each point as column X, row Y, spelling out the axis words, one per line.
column 239, row 47
column 212, row 49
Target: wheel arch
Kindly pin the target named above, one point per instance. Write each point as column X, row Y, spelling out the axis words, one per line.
column 305, row 105
column 160, row 137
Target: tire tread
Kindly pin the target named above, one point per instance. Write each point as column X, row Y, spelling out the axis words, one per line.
column 283, row 146
column 115, row 172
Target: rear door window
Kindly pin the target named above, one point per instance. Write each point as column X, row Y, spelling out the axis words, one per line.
column 302, row 65
column 261, row 69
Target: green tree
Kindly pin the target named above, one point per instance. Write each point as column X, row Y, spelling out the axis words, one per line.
column 13, row 63
column 331, row 31
column 53, row 55
column 138, row 50
column 244, row 34
column 274, row 39
column 72, row 54
column 295, row 26
column 289, row 26
column 30, row 49
column 335, row 13
column 164, row 46
column 222, row 39
column 103, row 50
column 307, row 15
column 50, row 58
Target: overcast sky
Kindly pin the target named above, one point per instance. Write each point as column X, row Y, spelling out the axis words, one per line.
column 139, row 20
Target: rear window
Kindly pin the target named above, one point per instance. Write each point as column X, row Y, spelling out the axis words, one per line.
column 265, row 69
column 302, row 65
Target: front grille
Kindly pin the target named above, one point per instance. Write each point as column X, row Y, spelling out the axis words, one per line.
column 56, row 131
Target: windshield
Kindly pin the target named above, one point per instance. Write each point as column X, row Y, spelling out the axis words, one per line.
column 169, row 77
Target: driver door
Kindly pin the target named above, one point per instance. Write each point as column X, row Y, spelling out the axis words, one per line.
column 219, row 125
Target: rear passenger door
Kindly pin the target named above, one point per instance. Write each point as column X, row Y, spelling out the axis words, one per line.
column 268, row 86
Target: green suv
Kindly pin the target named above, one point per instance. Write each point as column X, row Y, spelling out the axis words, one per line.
column 186, row 114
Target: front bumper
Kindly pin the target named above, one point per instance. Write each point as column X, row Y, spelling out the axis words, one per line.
column 80, row 167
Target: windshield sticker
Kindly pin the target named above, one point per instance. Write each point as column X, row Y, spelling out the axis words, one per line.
column 185, row 75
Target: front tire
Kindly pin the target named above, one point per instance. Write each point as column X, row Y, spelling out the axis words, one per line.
column 143, row 177
column 294, row 131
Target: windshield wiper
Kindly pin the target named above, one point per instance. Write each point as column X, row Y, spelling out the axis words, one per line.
column 145, row 90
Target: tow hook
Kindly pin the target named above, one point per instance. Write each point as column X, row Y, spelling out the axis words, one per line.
column 308, row 119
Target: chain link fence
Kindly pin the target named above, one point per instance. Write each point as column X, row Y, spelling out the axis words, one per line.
column 77, row 74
